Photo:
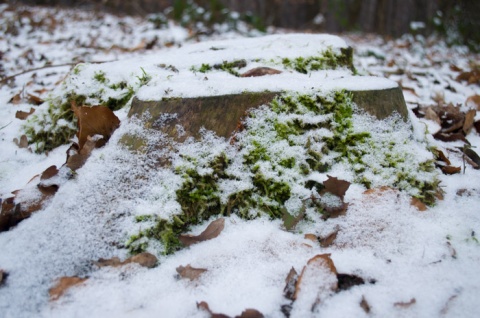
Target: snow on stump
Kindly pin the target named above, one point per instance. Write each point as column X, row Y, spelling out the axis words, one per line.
column 212, row 85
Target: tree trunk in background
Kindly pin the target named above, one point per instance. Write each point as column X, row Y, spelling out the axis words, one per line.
column 387, row 17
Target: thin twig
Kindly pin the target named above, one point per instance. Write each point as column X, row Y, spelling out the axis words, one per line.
column 6, row 79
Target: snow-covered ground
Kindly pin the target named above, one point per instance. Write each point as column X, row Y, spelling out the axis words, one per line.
column 414, row 264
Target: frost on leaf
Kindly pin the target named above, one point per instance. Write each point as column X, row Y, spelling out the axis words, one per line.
column 316, row 282
column 190, row 272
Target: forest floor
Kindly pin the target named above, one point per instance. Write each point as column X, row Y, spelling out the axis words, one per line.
column 389, row 257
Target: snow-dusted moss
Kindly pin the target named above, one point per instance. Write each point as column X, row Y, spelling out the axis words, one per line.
column 272, row 167
column 54, row 124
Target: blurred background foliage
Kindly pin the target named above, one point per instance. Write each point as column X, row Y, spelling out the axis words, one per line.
column 456, row 20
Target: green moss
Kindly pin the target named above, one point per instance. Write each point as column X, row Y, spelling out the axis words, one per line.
column 276, row 175
column 100, row 77
column 229, row 67
column 327, row 60
column 57, row 125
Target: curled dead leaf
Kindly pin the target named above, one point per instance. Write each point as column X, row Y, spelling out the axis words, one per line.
column 441, row 156
column 212, row 231
column 190, row 272
column 62, row 286
column 24, row 115
column 260, row 71
column 407, row 304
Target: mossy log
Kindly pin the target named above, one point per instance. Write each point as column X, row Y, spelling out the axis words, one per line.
column 222, row 114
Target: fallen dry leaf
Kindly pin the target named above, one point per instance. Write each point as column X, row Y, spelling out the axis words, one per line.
column 96, row 120
column 450, row 137
column 247, row 313
column 16, row 99
column 35, row 100
column 112, row 262
column 24, row 115
column 49, row 173
column 290, row 283
column 250, row 313
column 23, row 143
column 405, row 304
column 469, row 120
column 418, row 204
column 144, row 259
column 335, row 186
column 321, row 272
column 364, row 304
column 63, row 285
column 260, row 71
column 203, row 305
column 378, row 191
column 290, row 221
column 311, row 237
column 473, row 102
column 430, row 114
column 471, row 77
column 455, row 68
column 190, row 272
column 473, row 156
column 329, row 239
column 77, row 160
column 450, row 169
column 441, row 156
column 212, row 231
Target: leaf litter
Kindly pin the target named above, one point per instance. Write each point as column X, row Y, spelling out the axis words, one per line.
column 389, row 234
